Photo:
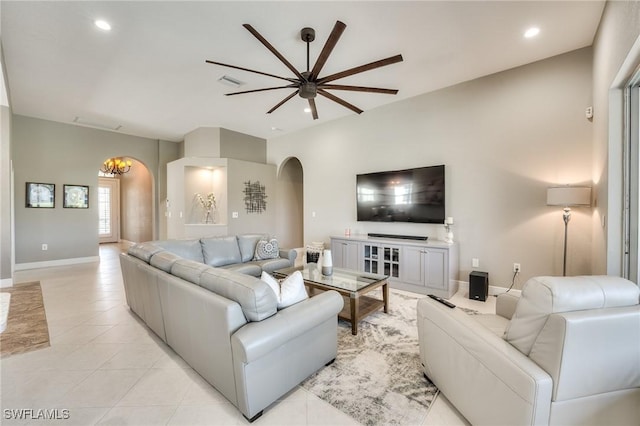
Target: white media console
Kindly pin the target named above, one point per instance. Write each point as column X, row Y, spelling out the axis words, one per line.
column 426, row 267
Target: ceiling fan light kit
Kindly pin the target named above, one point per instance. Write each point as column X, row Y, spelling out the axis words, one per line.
column 308, row 84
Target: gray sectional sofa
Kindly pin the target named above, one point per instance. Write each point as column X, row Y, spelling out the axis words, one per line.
column 234, row 253
column 224, row 322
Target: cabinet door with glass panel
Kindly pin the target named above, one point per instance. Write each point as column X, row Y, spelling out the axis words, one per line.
column 381, row 259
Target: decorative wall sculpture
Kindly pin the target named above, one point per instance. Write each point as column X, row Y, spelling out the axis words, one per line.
column 255, row 197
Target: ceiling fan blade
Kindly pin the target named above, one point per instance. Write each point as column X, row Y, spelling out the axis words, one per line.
column 260, row 90
column 340, row 101
column 361, row 68
column 314, row 111
column 358, row 89
column 337, row 31
column 273, row 50
column 282, row 102
column 293, row 80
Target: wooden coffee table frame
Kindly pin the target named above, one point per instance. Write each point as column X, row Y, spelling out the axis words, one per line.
column 357, row 305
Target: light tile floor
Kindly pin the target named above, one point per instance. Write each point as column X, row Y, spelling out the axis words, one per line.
column 107, row 368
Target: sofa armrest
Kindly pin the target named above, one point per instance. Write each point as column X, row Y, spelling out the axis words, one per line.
column 486, row 378
column 572, row 343
column 257, row 339
column 290, row 254
column 273, row 356
column 506, row 304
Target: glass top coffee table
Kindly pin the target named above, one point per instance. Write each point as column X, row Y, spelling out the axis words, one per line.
column 352, row 285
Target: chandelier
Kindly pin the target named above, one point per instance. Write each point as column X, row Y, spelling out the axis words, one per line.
column 116, row 166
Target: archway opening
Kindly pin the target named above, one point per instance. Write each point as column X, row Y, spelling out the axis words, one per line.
column 125, row 204
column 290, row 217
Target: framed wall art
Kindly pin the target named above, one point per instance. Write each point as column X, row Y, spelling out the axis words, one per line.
column 76, row 197
column 40, row 195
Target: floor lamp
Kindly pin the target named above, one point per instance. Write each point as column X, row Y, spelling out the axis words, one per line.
column 567, row 197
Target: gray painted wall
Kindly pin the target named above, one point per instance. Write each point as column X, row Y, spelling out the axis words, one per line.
column 242, row 147
column 504, row 139
column 5, row 193
column 46, row 151
column 6, row 237
column 614, row 60
column 217, row 142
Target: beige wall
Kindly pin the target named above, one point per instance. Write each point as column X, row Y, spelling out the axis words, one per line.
column 504, row 139
column 136, row 204
column 614, row 59
column 290, row 205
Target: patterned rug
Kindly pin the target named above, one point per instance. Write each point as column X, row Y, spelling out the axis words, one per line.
column 377, row 376
column 27, row 328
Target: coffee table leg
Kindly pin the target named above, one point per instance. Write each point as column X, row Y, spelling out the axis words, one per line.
column 385, row 296
column 353, row 300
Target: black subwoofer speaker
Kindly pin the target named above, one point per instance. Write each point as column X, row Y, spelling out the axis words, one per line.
column 478, row 285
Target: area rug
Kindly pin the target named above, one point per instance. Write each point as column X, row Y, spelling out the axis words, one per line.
column 377, row 377
column 27, row 328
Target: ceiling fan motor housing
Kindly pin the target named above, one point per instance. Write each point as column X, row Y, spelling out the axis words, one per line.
column 308, row 90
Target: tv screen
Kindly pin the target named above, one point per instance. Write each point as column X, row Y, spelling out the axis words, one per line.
column 413, row 195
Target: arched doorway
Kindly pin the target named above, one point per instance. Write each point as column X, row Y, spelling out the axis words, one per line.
column 126, row 204
column 290, row 217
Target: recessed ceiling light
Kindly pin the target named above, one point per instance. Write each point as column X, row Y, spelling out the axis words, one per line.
column 307, row 110
column 532, row 32
column 103, row 25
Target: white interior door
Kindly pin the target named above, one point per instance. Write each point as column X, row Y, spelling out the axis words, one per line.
column 109, row 210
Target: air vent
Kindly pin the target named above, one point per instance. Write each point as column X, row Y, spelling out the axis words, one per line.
column 104, row 126
column 230, row 81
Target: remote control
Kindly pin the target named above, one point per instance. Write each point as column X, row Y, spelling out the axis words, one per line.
column 443, row 301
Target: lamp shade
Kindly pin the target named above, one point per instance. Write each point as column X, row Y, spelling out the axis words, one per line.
column 568, row 196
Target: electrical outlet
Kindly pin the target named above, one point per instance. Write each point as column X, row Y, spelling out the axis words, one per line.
column 516, row 267
column 45, row 247
column 475, row 262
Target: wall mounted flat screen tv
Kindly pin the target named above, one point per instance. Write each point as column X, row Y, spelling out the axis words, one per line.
column 413, row 195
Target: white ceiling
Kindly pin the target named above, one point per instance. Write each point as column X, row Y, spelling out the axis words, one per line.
column 148, row 74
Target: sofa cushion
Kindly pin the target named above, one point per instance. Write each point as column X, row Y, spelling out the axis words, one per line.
column 254, row 296
column 188, row 249
column 220, row 251
column 271, row 265
column 164, row 260
column 250, row 268
column 542, row 296
column 267, row 249
column 189, row 270
column 144, row 251
column 289, row 291
column 247, row 244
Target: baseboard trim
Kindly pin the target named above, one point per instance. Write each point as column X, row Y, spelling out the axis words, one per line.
column 7, row 282
column 51, row 263
column 463, row 286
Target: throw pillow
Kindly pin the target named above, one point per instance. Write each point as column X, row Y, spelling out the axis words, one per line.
column 267, row 249
column 288, row 292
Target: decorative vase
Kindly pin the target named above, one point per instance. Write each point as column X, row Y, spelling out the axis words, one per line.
column 327, row 263
column 208, row 217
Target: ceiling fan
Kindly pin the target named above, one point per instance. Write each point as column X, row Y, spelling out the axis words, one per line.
column 308, row 84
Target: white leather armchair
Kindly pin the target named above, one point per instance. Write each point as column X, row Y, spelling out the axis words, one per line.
column 566, row 352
